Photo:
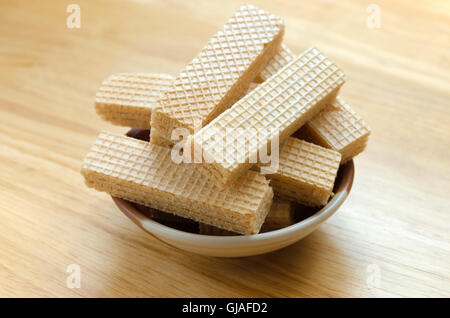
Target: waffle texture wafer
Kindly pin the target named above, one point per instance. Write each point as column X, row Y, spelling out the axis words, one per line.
column 128, row 99
column 221, row 72
column 281, row 214
column 277, row 107
column 143, row 173
column 340, row 128
column 306, row 172
column 337, row 127
column 160, row 140
column 282, row 58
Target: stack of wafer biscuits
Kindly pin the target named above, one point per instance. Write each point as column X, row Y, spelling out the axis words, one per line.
column 245, row 132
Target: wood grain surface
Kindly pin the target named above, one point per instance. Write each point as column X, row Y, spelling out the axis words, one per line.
column 394, row 226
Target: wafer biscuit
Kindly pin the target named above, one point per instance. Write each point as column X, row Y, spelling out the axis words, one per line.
column 337, row 127
column 306, row 172
column 143, row 173
column 340, row 128
column 221, row 72
column 159, row 140
column 281, row 214
column 128, row 99
column 283, row 57
column 276, row 108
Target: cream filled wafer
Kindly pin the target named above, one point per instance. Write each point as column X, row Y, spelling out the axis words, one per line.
column 220, row 74
column 283, row 57
column 306, row 172
column 340, row 128
column 337, row 127
column 143, row 173
column 160, row 140
column 281, row 214
column 128, row 99
column 273, row 110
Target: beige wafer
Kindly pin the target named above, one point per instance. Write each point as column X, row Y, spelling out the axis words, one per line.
column 280, row 215
column 276, row 108
column 221, row 72
column 279, row 60
column 337, row 127
column 340, row 128
column 128, row 99
column 144, row 173
column 306, row 172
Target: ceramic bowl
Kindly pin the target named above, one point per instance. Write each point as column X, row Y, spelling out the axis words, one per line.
column 240, row 245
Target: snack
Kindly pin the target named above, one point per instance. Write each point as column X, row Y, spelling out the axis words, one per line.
column 276, row 108
column 239, row 100
column 280, row 215
column 283, row 57
column 221, row 72
column 306, row 172
column 340, row 128
column 128, row 99
column 336, row 127
column 143, row 173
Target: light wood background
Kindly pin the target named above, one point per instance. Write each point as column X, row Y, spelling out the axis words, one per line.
column 396, row 222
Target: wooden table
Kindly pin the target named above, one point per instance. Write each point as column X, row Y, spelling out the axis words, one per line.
column 390, row 238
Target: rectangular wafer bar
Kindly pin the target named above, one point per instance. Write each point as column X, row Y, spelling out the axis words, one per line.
column 128, row 99
column 337, row 127
column 276, row 108
column 280, row 215
column 220, row 74
column 340, row 128
column 279, row 60
column 143, row 173
column 306, row 172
